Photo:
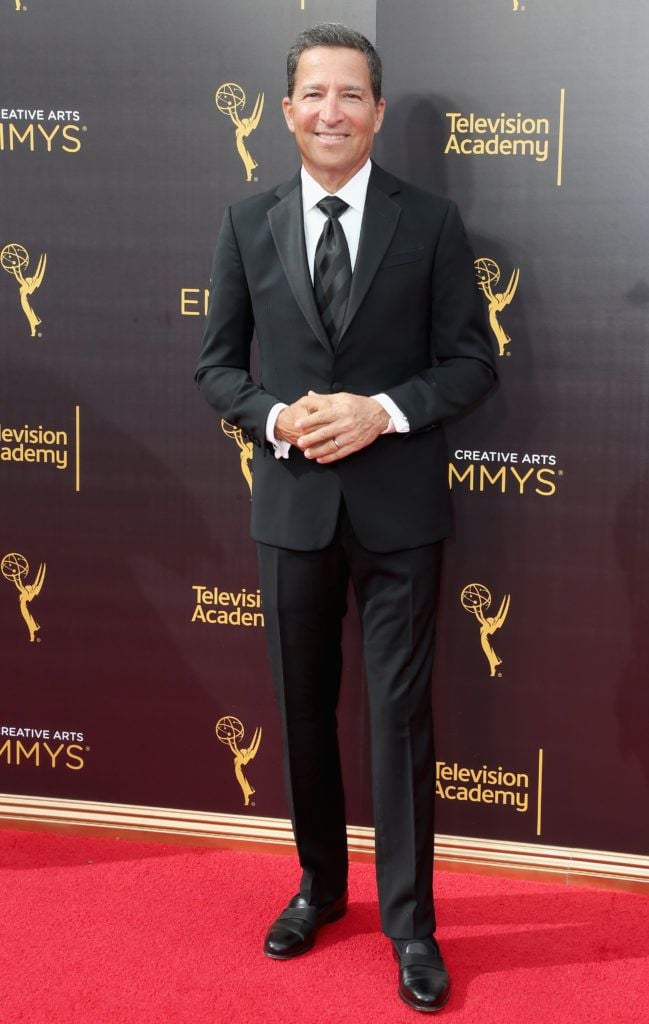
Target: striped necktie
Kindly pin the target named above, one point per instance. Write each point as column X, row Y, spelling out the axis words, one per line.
column 332, row 269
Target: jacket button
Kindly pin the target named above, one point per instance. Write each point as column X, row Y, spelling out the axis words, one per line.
column 336, row 385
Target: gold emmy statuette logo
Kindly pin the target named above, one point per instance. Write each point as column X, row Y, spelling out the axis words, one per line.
column 14, row 259
column 245, row 447
column 15, row 569
column 230, row 99
column 476, row 598
column 488, row 274
column 229, row 730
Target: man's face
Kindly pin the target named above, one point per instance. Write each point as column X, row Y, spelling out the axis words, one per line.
column 332, row 113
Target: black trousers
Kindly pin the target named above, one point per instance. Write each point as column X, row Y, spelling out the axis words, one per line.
column 304, row 596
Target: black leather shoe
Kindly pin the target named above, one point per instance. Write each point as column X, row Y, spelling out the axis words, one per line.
column 423, row 980
column 295, row 929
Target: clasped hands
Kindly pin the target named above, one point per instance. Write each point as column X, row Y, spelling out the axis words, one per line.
column 327, row 428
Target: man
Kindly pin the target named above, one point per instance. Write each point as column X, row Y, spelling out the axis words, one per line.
column 371, row 333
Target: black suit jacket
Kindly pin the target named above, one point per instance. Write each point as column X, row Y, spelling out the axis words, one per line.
column 414, row 329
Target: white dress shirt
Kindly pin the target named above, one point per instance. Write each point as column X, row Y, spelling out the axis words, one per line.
column 353, row 193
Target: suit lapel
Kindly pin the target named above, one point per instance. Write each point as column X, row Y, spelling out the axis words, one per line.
column 287, row 228
column 380, row 218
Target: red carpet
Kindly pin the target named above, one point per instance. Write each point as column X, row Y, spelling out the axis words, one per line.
column 102, row 930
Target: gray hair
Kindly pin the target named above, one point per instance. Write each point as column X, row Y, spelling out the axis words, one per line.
column 331, row 33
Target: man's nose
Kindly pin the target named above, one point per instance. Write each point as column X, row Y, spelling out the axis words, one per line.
column 330, row 111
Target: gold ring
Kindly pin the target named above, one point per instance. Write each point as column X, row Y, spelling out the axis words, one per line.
column 335, row 444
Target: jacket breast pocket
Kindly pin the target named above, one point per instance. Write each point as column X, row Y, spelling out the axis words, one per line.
column 395, row 259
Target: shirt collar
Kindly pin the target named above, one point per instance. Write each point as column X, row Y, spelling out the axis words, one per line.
column 353, row 192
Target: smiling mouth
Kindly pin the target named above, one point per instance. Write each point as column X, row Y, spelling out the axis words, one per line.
column 331, row 136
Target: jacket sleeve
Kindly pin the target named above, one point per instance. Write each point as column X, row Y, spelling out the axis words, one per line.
column 223, row 372
column 463, row 366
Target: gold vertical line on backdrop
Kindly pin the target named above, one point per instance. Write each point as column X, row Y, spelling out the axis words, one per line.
column 540, row 794
column 562, row 107
column 77, row 427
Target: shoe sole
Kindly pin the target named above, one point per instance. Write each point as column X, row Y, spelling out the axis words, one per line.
column 329, row 919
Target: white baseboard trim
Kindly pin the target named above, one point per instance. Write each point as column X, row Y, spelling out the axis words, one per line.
column 571, row 865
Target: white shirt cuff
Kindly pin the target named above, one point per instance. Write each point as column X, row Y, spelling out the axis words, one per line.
column 282, row 448
column 398, row 422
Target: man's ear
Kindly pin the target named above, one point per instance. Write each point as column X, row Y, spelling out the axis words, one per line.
column 287, row 108
column 380, row 110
